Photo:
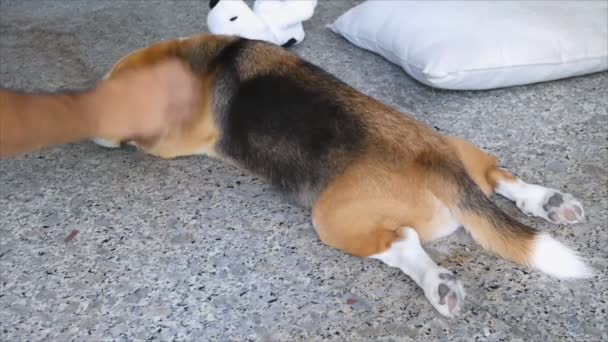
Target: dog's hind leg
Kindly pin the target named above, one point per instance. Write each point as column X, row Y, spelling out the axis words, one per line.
column 440, row 286
column 536, row 200
column 366, row 223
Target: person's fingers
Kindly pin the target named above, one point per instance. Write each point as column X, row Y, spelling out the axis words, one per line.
column 180, row 88
column 150, row 100
column 182, row 94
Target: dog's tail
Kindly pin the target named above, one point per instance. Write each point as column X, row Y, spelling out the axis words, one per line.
column 495, row 230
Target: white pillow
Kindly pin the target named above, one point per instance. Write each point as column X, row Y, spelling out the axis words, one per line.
column 482, row 44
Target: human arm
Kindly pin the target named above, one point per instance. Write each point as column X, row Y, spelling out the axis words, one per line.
column 137, row 104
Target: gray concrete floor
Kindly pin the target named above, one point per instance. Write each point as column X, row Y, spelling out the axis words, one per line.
column 191, row 249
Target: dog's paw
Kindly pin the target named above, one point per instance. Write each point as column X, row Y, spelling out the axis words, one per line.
column 553, row 206
column 564, row 208
column 444, row 291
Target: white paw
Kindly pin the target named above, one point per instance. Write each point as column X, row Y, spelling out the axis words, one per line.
column 553, row 206
column 106, row 143
column 444, row 291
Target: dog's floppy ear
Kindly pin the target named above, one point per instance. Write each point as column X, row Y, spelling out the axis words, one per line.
column 212, row 3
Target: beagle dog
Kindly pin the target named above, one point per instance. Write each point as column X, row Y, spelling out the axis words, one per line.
column 379, row 183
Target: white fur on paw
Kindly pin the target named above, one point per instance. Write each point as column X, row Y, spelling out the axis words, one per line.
column 554, row 206
column 106, row 143
column 444, row 291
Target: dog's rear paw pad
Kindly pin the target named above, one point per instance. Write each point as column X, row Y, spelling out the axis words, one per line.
column 445, row 292
column 550, row 204
column 563, row 208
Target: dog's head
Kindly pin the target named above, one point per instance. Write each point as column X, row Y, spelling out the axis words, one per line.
column 199, row 134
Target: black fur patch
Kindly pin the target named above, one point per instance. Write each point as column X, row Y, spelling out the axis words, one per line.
column 212, row 3
column 276, row 126
column 227, row 58
column 476, row 201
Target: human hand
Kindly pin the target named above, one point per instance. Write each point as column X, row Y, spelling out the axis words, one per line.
column 145, row 102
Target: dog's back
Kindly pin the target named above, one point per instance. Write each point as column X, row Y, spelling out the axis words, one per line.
column 283, row 118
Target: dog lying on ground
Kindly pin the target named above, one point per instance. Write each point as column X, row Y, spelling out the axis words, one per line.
column 378, row 182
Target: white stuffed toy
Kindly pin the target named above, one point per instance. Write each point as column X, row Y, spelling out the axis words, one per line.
column 275, row 21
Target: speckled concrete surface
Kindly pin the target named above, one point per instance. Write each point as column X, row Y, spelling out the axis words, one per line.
column 191, row 249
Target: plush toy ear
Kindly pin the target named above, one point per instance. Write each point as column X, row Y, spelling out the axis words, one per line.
column 289, row 43
column 212, row 3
